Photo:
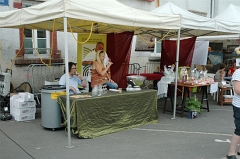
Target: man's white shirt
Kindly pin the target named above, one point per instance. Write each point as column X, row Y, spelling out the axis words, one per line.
column 74, row 81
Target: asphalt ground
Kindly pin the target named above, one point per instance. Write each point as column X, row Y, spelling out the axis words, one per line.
column 205, row 137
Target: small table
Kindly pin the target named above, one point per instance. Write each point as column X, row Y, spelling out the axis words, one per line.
column 186, row 92
column 221, row 92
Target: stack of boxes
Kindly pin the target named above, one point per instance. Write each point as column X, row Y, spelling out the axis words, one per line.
column 23, row 106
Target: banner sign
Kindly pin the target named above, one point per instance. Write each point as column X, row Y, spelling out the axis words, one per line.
column 84, row 48
column 4, row 2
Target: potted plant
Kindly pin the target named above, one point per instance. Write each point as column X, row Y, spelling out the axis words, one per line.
column 194, row 107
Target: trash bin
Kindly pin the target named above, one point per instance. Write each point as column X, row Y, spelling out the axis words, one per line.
column 50, row 109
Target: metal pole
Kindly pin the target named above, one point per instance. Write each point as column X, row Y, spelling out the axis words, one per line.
column 67, row 82
column 176, row 76
column 212, row 8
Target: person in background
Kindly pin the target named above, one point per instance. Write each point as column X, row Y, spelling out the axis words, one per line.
column 236, row 115
column 209, row 62
column 99, row 72
column 91, row 56
column 232, row 69
column 74, row 80
column 219, row 76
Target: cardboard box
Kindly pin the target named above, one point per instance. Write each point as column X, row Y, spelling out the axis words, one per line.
column 24, row 117
column 22, row 111
column 23, row 104
column 13, row 97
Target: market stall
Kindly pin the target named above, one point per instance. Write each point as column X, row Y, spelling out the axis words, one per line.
column 101, row 17
column 108, row 16
column 194, row 25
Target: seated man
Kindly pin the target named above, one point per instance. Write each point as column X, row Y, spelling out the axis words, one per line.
column 74, row 80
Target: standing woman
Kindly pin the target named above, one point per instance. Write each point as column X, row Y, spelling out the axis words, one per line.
column 99, row 72
column 236, row 115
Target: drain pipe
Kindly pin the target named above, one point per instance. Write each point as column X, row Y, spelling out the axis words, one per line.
column 212, row 8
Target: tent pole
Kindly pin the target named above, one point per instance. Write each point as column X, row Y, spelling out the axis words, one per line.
column 67, row 82
column 176, row 76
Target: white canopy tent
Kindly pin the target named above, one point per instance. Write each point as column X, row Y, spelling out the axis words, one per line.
column 195, row 25
column 191, row 24
column 214, row 38
column 107, row 16
column 229, row 19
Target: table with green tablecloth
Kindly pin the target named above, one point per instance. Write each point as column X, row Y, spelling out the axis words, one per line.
column 111, row 112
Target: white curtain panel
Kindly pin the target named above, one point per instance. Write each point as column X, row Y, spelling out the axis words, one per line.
column 200, row 53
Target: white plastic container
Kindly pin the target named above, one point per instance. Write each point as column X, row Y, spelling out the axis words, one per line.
column 95, row 91
column 25, row 96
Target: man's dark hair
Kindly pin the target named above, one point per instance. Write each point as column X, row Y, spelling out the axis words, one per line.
column 70, row 64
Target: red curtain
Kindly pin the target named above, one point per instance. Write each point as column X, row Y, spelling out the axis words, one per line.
column 169, row 48
column 119, row 51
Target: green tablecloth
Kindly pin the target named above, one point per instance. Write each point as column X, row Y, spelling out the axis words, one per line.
column 112, row 112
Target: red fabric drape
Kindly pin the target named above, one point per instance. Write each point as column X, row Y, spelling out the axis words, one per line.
column 169, row 48
column 119, row 51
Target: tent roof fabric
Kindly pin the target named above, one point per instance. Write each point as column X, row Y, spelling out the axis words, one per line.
column 230, row 14
column 228, row 19
column 189, row 19
column 196, row 25
column 108, row 16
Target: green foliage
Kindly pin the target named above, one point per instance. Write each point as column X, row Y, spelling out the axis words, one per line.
column 193, row 104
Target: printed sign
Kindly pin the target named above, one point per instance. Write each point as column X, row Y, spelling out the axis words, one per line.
column 54, row 95
column 85, row 48
column 4, row 2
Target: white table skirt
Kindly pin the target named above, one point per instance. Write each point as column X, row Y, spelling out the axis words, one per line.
column 163, row 86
